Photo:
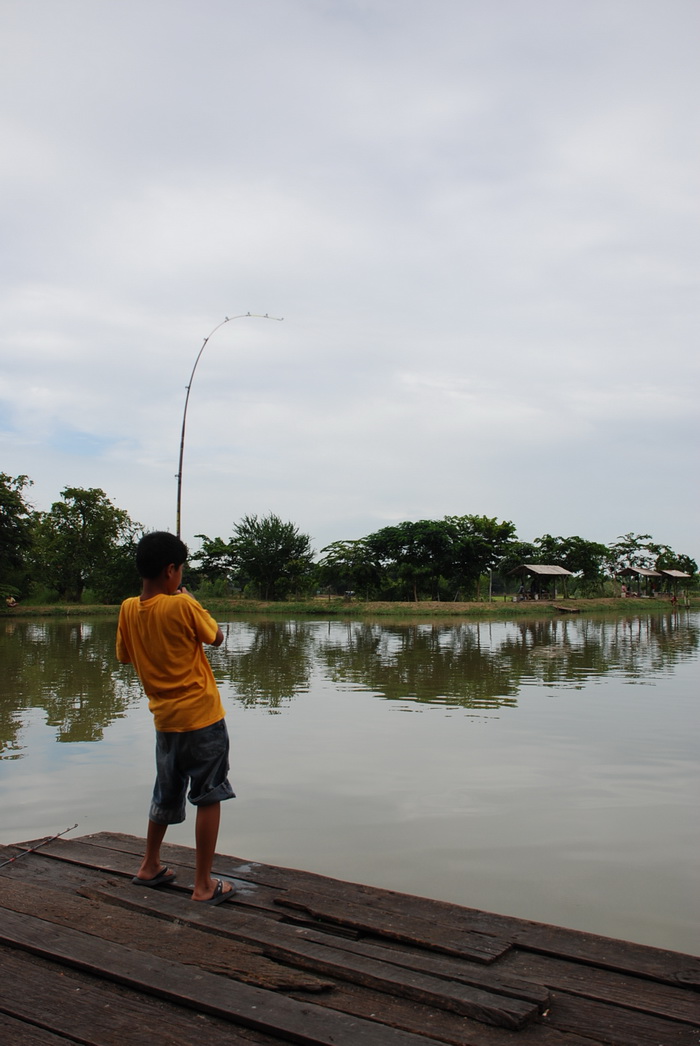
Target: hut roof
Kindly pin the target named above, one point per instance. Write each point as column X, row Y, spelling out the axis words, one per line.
column 638, row 572
column 675, row 573
column 542, row 570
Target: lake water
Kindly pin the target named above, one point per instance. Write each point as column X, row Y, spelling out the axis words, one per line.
column 544, row 768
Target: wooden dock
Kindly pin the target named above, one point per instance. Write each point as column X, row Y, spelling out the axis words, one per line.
column 87, row 957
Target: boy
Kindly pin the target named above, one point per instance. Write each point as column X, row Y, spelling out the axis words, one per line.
column 161, row 633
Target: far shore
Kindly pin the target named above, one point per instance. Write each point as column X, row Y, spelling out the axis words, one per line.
column 323, row 606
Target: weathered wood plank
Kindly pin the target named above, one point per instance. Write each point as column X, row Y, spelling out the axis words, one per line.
column 617, row 1026
column 633, row 993
column 43, row 869
column 142, row 931
column 332, row 956
column 578, row 946
column 459, row 970
column 621, row 956
column 281, row 942
column 78, row 854
column 240, row 1003
column 396, row 926
column 608, row 953
column 441, row 1025
column 628, row 992
column 19, row 1033
column 659, row 964
column 399, row 927
column 399, row 984
column 85, row 1009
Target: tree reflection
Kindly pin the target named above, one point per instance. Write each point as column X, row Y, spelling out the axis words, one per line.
column 66, row 669
column 266, row 663
column 433, row 664
column 566, row 652
column 484, row 665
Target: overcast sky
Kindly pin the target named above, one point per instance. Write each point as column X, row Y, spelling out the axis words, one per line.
column 478, row 218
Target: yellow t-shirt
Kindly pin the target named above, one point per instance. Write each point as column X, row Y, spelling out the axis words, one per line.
column 162, row 637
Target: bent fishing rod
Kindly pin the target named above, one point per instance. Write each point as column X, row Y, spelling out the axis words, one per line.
column 228, row 319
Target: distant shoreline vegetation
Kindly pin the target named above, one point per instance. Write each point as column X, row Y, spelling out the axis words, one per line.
column 322, row 606
column 82, row 552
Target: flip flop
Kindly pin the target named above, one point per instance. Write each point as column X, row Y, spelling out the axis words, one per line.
column 164, row 876
column 218, row 897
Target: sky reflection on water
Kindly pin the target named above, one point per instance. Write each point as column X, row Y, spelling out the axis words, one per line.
column 542, row 768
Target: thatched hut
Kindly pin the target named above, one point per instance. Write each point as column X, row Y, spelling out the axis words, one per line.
column 541, row 575
column 640, row 574
column 676, row 578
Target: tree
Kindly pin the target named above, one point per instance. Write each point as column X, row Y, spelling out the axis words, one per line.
column 480, row 543
column 632, row 550
column 412, row 556
column 84, row 540
column 667, row 559
column 551, row 550
column 434, row 556
column 516, row 553
column 586, row 559
column 348, row 566
column 15, row 534
column 271, row 555
column 214, row 559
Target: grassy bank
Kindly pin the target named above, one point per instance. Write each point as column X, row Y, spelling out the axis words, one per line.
column 324, row 607
column 496, row 609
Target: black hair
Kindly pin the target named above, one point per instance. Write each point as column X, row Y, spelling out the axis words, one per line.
column 156, row 551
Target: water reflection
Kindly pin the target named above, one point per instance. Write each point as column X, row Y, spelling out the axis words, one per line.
column 424, row 663
column 562, row 652
column 67, row 669
column 267, row 662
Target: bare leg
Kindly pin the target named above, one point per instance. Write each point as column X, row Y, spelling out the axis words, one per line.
column 150, row 866
column 206, row 835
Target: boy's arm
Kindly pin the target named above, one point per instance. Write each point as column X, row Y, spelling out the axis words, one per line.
column 219, row 637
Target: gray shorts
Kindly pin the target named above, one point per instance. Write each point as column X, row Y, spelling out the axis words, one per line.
column 197, row 759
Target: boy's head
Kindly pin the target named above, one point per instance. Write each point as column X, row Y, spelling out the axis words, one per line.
column 156, row 551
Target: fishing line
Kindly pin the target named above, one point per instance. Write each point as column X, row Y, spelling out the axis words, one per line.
column 38, row 846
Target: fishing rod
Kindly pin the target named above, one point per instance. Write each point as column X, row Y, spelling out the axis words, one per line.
column 39, row 845
column 228, row 319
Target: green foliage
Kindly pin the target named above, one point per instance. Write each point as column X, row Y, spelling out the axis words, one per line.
column 412, row 557
column 632, row 550
column 516, row 553
column 586, row 559
column 436, row 559
column 214, row 560
column 348, row 566
column 217, row 589
column 667, row 559
column 271, row 556
column 15, row 535
column 481, row 542
column 84, row 540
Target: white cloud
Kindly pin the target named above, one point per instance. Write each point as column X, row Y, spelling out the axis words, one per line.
column 480, row 223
